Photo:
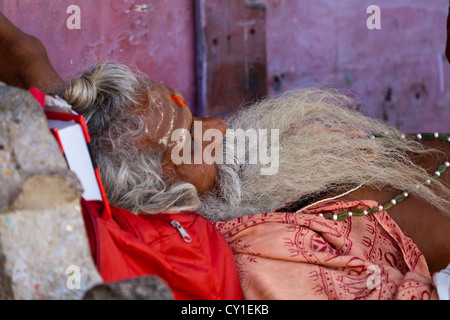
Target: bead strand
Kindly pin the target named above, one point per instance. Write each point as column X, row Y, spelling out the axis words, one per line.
column 398, row 198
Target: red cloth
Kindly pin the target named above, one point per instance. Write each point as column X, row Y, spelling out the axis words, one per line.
column 127, row 245
column 39, row 96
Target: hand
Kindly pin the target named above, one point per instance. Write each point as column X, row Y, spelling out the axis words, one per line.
column 24, row 60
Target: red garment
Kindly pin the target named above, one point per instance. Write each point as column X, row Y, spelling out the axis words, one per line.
column 39, row 96
column 126, row 246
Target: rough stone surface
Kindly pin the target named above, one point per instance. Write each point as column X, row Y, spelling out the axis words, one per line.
column 44, row 251
column 142, row 288
column 26, row 145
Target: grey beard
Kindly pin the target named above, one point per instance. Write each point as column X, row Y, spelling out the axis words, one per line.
column 231, row 200
column 323, row 147
column 226, row 203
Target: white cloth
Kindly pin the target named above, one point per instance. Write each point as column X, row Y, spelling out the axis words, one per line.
column 57, row 104
column 442, row 282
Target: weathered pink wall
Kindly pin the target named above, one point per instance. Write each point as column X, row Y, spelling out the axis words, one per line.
column 399, row 72
column 158, row 40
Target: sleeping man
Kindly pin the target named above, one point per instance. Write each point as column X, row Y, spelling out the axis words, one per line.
column 354, row 209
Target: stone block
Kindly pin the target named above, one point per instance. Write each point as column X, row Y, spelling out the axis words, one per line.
column 140, row 288
column 44, row 250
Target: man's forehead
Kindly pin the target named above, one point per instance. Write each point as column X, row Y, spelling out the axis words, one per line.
column 163, row 110
column 162, row 89
column 156, row 95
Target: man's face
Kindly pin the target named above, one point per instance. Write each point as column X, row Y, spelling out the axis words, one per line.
column 164, row 112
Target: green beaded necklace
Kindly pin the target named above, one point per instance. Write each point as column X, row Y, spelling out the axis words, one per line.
column 399, row 198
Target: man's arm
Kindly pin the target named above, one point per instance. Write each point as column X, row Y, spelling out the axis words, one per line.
column 24, row 62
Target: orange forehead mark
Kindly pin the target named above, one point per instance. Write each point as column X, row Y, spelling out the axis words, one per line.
column 178, row 100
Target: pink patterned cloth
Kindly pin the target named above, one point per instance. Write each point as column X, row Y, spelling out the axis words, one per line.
column 305, row 256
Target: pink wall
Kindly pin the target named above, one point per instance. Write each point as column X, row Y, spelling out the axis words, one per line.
column 159, row 41
column 327, row 42
column 399, row 72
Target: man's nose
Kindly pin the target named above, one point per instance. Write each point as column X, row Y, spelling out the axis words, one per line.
column 212, row 123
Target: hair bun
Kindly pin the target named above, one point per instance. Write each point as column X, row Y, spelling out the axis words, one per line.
column 106, row 88
column 81, row 94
